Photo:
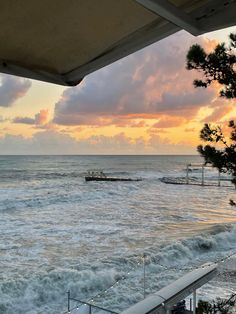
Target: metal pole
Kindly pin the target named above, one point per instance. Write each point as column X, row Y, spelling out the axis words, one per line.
column 90, row 309
column 190, row 304
column 194, row 301
column 144, row 275
column 85, row 305
column 68, row 301
column 214, row 309
column 219, row 178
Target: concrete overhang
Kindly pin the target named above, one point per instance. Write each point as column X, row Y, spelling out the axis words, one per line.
column 62, row 41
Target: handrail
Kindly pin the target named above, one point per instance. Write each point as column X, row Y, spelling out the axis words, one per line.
column 91, row 306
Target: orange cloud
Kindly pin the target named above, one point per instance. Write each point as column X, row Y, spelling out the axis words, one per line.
column 169, row 122
column 41, row 117
column 218, row 114
column 189, row 130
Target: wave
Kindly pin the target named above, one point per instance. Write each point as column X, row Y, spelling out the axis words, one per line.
column 46, row 292
column 25, row 175
column 110, row 283
column 210, row 246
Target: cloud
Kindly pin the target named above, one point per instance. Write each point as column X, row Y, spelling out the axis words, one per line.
column 188, row 99
column 190, row 130
column 2, row 119
column 48, row 126
column 12, row 88
column 24, row 120
column 150, row 82
column 40, row 119
column 169, row 122
column 156, row 144
column 154, row 131
column 217, row 114
column 53, row 142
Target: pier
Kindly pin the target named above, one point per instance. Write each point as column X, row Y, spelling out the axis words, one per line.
column 200, row 178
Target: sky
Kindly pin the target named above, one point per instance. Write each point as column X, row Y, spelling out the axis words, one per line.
column 142, row 104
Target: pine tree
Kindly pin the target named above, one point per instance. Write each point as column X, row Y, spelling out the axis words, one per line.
column 217, row 66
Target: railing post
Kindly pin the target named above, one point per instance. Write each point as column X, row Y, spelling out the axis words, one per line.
column 68, row 301
column 144, row 275
column 194, row 301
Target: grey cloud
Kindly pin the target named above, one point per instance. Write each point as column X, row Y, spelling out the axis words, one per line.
column 24, row 120
column 124, row 87
column 12, row 88
column 187, row 99
column 75, row 119
column 39, row 119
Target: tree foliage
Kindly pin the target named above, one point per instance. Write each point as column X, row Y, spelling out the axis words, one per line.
column 222, row 306
column 223, row 159
column 217, row 66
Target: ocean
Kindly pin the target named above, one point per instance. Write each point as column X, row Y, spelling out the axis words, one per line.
column 60, row 233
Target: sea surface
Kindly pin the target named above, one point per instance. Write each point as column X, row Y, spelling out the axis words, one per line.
column 59, row 233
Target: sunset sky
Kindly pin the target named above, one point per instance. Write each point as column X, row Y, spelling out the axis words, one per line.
column 142, row 104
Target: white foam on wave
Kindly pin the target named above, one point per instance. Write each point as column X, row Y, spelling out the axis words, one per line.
column 46, row 291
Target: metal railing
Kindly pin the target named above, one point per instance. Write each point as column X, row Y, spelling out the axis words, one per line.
column 85, row 307
column 202, row 168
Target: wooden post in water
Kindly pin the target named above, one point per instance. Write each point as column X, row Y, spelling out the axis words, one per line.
column 187, row 170
column 202, row 174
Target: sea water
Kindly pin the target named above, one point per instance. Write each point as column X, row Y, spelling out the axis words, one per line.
column 60, row 233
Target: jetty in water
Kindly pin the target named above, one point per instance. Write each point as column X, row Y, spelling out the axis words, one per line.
column 99, row 175
column 200, row 174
